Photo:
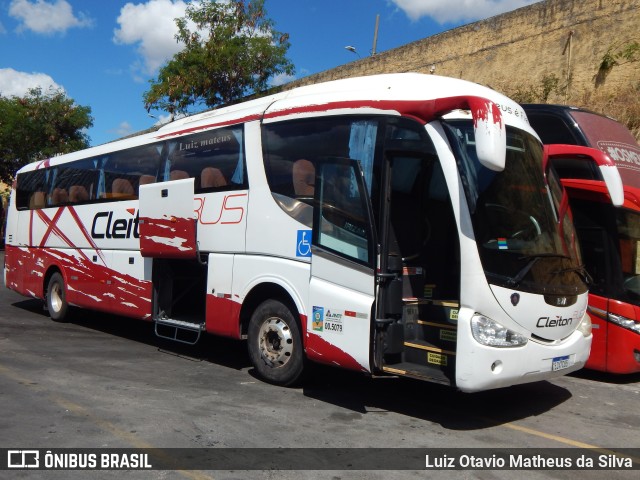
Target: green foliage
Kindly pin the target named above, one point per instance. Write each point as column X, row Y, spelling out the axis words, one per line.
column 38, row 126
column 537, row 93
column 620, row 54
column 617, row 54
column 232, row 51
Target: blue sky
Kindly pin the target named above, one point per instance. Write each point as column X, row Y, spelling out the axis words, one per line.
column 103, row 53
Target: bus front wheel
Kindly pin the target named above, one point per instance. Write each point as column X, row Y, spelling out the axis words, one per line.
column 275, row 343
column 57, row 298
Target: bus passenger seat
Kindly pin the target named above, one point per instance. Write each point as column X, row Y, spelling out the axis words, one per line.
column 78, row 193
column 212, row 177
column 304, row 178
column 59, row 196
column 178, row 175
column 146, row 179
column 37, row 200
column 121, row 187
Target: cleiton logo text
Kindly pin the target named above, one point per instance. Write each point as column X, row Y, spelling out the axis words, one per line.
column 558, row 321
column 105, row 226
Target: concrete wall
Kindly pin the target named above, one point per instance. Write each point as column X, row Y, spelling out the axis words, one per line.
column 567, row 38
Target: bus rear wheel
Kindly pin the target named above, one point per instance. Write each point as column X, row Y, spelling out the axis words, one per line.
column 275, row 343
column 57, row 298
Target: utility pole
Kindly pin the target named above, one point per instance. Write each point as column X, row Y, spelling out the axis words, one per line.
column 375, row 36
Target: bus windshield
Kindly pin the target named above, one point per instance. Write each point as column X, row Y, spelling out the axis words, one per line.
column 520, row 240
column 629, row 242
column 610, row 240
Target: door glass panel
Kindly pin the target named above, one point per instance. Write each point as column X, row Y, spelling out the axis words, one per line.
column 342, row 217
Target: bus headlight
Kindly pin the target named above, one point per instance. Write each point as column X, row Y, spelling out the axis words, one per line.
column 491, row 333
column 585, row 326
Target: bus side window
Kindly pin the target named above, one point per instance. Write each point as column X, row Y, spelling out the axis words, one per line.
column 552, row 129
column 214, row 158
column 291, row 150
column 83, row 183
column 31, row 190
column 74, row 183
column 125, row 171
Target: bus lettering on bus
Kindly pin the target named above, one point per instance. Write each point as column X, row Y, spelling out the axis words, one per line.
column 105, row 226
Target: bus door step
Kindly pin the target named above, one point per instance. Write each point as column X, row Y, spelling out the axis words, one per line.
column 179, row 330
column 420, row 372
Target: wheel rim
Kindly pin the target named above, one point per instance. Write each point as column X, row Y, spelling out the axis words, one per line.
column 55, row 297
column 275, row 342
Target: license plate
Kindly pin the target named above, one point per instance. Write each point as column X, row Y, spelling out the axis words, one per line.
column 559, row 363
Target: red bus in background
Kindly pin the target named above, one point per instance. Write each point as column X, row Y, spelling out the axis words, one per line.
column 609, row 235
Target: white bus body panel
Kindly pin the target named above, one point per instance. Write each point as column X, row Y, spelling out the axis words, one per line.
column 536, row 316
column 222, row 221
column 480, row 367
column 251, row 271
column 269, row 230
column 130, row 264
column 339, row 328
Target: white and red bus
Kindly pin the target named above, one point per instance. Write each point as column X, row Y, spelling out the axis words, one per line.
column 608, row 230
column 396, row 224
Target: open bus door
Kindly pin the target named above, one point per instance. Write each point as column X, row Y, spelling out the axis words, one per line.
column 420, row 267
column 360, row 318
column 384, row 298
column 342, row 287
column 168, row 231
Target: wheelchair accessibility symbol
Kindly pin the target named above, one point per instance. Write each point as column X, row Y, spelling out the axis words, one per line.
column 303, row 248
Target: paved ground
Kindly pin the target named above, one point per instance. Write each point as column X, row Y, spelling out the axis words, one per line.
column 108, row 382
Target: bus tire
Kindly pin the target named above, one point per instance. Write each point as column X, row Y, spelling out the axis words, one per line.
column 275, row 343
column 57, row 298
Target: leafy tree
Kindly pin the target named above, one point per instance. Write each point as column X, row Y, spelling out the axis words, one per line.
column 38, row 126
column 231, row 52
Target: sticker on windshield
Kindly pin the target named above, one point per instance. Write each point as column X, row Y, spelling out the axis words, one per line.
column 502, row 244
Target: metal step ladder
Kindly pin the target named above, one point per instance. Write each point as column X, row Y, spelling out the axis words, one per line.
column 420, row 372
column 178, row 330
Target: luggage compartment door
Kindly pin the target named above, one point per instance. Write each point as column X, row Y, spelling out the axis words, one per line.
column 167, row 224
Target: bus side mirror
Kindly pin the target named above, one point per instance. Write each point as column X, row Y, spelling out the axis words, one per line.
column 490, row 133
column 488, row 127
column 612, row 180
column 608, row 170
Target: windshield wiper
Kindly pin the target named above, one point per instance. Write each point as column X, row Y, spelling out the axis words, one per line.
column 532, row 259
column 580, row 270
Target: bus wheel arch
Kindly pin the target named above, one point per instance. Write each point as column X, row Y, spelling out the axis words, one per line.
column 55, row 295
column 271, row 323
